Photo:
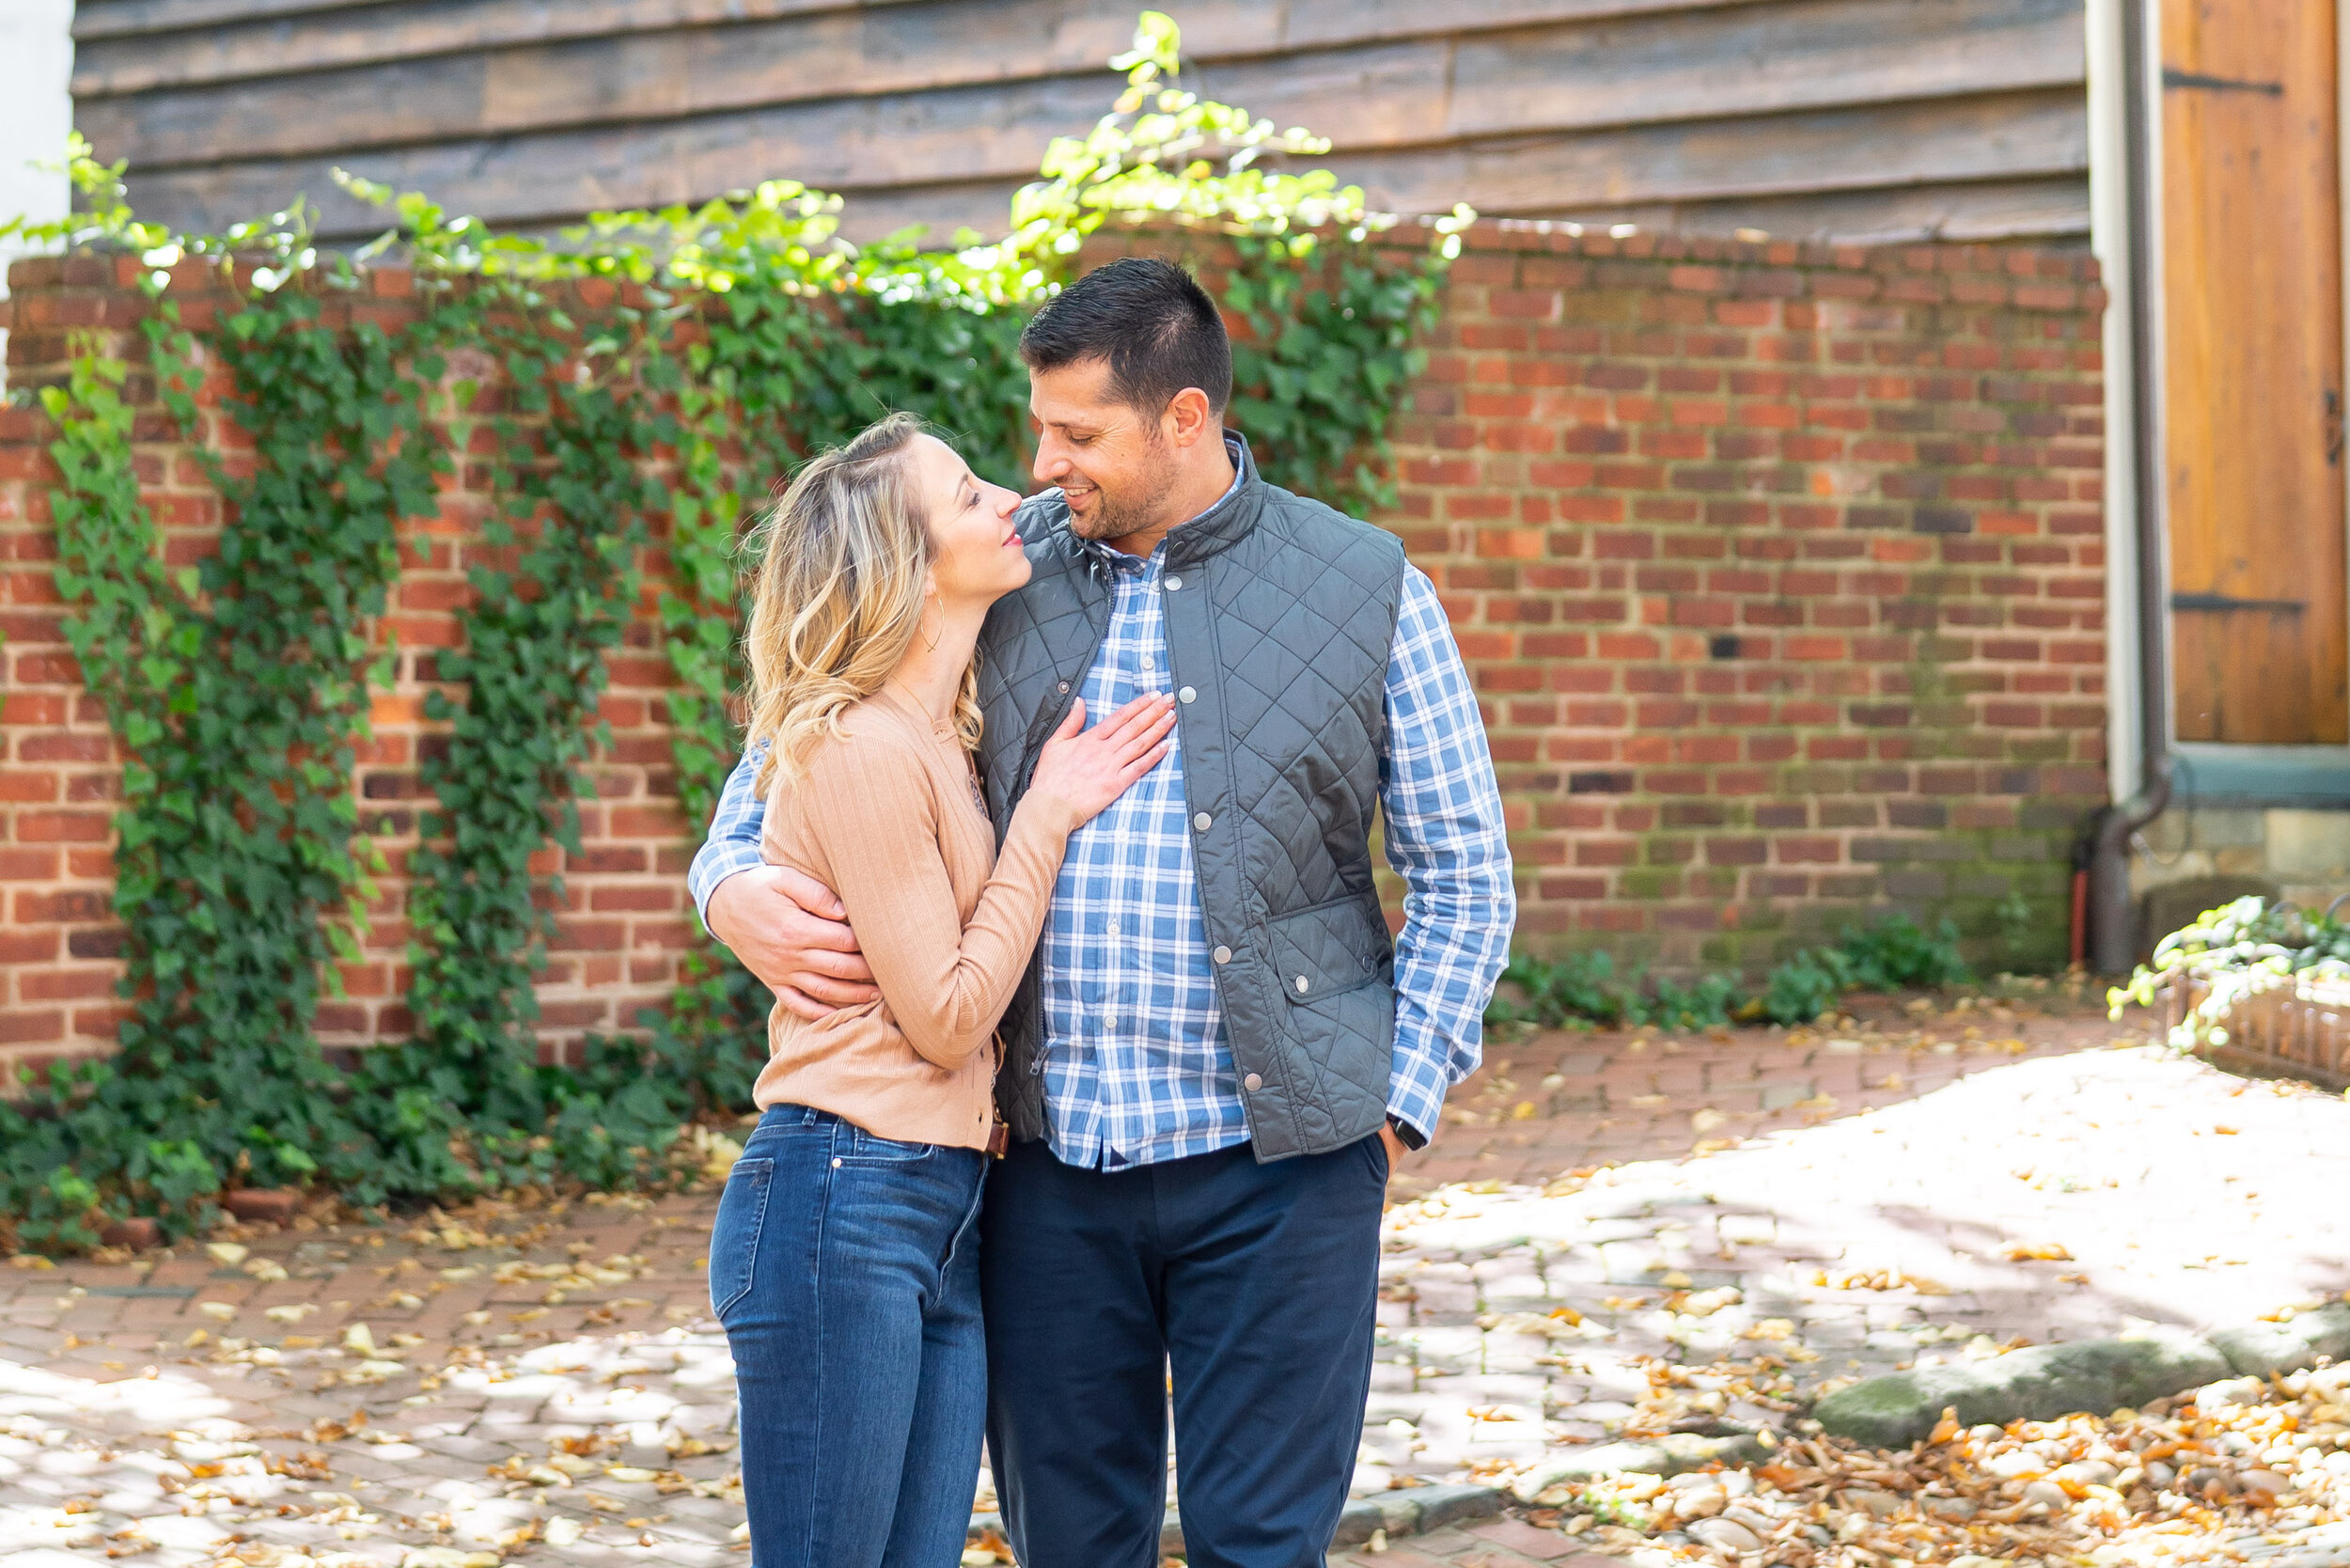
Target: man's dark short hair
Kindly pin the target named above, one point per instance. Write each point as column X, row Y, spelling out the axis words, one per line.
column 1150, row 321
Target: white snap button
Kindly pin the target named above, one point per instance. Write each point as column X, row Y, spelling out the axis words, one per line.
column 1174, row 582
column 1252, row 1083
column 836, row 1164
column 1202, row 821
column 1301, row 983
column 1188, row 694
column 1223, row 955
column 1146, row 661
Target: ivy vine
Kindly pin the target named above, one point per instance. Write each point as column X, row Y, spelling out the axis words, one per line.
column 465, row 1101
column 237, row 689
column 655, row 375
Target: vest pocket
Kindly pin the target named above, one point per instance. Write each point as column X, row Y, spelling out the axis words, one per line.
column 1328, row 948
column 1343, row 1016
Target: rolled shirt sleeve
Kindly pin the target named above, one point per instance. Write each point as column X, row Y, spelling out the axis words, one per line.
column 734, row 830
column 1445, row 834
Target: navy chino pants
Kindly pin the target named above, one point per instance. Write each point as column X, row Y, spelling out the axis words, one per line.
column 1254, row 1287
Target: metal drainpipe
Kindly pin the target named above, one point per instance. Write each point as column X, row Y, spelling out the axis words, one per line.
column 2111, row 945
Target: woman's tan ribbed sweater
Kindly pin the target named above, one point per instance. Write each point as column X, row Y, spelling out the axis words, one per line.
column 888, row 816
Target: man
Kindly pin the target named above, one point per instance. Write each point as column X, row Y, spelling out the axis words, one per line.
column 1217, row 1053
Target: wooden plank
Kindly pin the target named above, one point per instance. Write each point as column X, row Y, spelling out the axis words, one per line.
column 1316, row 24
column 2050, row 209
column 1810, row 54
column 1871, row 147
column 954, row 136
column 98, row 19
column 127, row 45
column 654, row 76
column 2252, row 357
column 1824, row 52
column 994, row 138
column 424, row 29
column 2053, row 211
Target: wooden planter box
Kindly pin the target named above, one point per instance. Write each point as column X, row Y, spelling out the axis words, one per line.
column 2300, row 1029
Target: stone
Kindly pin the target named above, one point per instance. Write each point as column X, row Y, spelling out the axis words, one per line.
column 2332, row 1384
column 2230, row 1393
column 1450, row 1505
column 2046, row 1492
column 2261, row 1487
column 2271, row 1349
column 1700, row 1502
column 2038, row 1384
column 2174, row 904
column 2087, row 1472
column 1410, row 1510
column 1726, row 1535
column 1664, row 1456
column 2308, row 845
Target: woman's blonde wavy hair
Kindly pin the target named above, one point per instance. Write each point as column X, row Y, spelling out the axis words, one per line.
column 844, row 556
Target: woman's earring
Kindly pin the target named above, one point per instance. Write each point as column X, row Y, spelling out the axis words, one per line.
column 929, row 642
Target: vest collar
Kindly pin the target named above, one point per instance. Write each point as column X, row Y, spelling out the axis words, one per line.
column 1217, row 529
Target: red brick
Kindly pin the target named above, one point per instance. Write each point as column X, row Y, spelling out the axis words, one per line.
column 263, row 1205
column 137, row 1234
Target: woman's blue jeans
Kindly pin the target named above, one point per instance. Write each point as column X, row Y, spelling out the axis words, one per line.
column 845, row 1268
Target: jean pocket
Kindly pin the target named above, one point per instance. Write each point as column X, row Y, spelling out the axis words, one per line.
column 873, row 1149
column 734, row 1235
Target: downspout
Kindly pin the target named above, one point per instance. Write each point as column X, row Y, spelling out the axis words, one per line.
column 2113, row 948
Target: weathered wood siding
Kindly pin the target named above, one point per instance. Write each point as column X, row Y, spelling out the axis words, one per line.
column 1849, row 118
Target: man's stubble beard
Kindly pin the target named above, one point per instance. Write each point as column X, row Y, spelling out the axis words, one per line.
column 1117, row 518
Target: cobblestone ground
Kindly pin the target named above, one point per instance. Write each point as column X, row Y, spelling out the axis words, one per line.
column 1617, row 1235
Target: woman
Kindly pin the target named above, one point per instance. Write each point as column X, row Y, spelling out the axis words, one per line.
column 844, row 1260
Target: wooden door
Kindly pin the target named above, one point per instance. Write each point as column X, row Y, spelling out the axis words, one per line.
column 2253, row 360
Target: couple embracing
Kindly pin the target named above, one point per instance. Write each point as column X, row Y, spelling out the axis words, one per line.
column 1092, row 1050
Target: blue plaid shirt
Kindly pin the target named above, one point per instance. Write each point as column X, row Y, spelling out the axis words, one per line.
column 1136, row 1064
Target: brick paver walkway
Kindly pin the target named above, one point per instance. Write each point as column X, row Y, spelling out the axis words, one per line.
column 1556, row 1102
column 543, row 1384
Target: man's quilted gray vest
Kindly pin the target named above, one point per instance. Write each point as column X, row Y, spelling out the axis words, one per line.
column 1279, row 616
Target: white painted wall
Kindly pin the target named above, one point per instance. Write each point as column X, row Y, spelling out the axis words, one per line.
column 36, row 115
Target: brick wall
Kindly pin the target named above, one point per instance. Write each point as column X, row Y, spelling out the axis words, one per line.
column 1781, row 571
column 1778, row 569
column 625, row 914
